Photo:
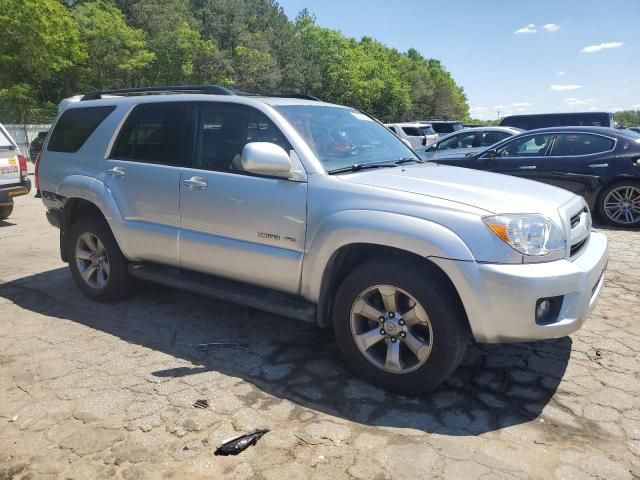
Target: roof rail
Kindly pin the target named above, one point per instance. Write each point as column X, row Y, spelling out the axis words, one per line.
column 206, row 89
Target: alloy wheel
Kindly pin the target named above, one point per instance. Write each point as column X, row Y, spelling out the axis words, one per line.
column 622, row 205
column 391, row 329
column 92, row 260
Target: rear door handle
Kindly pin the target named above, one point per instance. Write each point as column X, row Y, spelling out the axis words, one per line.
column 599, row 165
column 195, row 182
column 116, row 172
column 527, row 167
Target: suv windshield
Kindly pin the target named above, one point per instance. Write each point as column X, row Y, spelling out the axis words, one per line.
column 341, row 137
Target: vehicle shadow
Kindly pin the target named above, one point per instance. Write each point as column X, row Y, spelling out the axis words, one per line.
column 5, row 223
column 495, row 387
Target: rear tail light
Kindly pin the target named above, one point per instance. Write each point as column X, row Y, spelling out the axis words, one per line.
column 35, row 174
column 22, row 162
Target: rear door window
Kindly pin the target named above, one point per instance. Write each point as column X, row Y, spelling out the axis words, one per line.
column 412, row 132
column 156, row 133
column 573, row 144
column 489, row 138
column 75, row 126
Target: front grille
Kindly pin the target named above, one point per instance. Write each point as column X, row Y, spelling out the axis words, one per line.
column 577, row 247
column 580, row 231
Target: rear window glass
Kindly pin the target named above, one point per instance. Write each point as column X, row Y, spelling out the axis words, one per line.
column 75, row 126
column 4, row 141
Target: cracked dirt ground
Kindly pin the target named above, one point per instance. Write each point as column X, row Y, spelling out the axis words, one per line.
column 93, row 391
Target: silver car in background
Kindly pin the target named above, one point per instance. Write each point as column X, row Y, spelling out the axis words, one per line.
column 472, row 140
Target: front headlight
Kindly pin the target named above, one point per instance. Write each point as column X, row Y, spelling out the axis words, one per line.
column 529, row 234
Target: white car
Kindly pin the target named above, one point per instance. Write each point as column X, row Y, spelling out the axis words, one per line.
column 417, row 134
column 14, row 178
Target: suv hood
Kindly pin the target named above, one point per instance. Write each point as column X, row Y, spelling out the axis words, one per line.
column 489, row 191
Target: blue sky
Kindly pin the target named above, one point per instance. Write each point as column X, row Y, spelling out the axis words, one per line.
column 567, row 55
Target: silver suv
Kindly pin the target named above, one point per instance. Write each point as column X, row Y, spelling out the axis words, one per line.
column 318, row 212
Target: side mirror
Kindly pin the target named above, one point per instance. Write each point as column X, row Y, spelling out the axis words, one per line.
column 493, row 153
column 265, row 158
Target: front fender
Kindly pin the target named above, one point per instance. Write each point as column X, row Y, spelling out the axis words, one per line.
column 96, row 192
column 415, row 235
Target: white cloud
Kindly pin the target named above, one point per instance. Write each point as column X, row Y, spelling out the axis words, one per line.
column 522, row 104
column 560, row 74
column 563, row 88
column 636, row 106
column 478, row 109
column 576, row 102
column 499, row 106
column 551, row 27
column 601, row 46
column 531, row 28
column 592, row 109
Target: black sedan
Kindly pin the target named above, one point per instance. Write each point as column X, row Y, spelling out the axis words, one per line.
column 601, row 164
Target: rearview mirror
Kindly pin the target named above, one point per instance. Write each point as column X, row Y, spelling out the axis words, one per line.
column 265, row 158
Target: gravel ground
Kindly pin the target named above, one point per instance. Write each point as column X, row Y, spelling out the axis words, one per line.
column 94, row 391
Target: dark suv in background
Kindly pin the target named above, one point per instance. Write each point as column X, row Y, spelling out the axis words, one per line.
column 545, row 120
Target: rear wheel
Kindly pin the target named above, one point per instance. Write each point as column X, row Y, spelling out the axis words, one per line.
column 5, row 211
column 400, row 325
column 96, row 262
column 620, row 204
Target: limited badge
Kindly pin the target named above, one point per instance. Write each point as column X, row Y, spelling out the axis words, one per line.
column 13, row 161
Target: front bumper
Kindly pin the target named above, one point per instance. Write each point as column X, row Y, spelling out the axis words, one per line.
column 500, row 300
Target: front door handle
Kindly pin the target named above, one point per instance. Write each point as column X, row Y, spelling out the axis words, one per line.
column 116, row 172
column 599, row 165
column 195, row 182
column 527, row 167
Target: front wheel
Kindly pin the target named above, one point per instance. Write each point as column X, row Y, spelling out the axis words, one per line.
column 6, row 211
column 400, row 325
column 97, row 265
column 619, row 204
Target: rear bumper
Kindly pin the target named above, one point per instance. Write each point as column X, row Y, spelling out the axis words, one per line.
column 7, row 193
column 500, row 300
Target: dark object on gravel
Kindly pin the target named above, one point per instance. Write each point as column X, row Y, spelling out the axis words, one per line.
column 238, row 444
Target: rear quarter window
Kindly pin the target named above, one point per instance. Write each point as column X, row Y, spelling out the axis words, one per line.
column 75, row 126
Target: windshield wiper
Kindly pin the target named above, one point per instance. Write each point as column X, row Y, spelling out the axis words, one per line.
column 356, row 167
column 407, row 160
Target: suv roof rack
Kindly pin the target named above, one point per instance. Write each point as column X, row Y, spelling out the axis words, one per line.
column 204, row 89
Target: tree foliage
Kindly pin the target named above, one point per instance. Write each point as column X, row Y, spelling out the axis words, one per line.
column 50, row 49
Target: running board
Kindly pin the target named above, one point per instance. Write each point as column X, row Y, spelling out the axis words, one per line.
column 232, row 291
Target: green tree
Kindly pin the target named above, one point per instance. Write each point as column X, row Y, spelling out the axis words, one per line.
column 38, row 40
column 118, row 53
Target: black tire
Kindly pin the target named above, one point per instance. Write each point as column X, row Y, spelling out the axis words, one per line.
column 6, row 211
column 118, row 284
column 450, row 331
column 607, row 216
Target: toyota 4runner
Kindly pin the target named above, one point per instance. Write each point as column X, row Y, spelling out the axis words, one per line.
column 317, row 212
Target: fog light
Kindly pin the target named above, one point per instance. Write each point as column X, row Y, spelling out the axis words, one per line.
column 542, row 309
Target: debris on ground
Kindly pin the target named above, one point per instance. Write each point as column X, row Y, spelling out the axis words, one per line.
column 201, row 403
column 309, row 440
column 205, row 347
column 235, row 445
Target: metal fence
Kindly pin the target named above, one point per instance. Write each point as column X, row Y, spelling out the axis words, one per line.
column 24, row 134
